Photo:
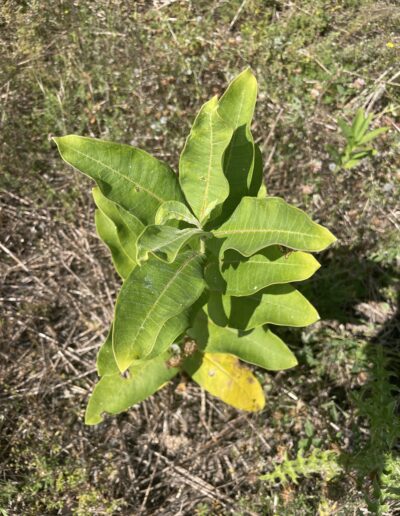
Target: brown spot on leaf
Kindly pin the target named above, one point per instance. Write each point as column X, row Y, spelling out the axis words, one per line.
column 175, row 361
column 189, row 347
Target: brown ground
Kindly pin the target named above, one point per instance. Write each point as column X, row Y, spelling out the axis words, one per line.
column 182, row 451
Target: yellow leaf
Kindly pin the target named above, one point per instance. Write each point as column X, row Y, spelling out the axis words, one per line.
column 224, row 376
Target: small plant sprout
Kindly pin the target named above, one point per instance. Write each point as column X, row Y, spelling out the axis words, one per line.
column 358, row 140
column 206, row 258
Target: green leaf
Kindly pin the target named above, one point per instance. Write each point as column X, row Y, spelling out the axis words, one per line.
column 108, row 234
column 223, row 375
column 171, row 330
column 165, row 241
column 200, row 167
column 345, row 128
column 105, row 363
column 351, row 163
column 244, row 276
column 258, row 223
column 127, row 176
column 168, row 334
column 128, row 227
column 364, row 127
column 259, row 347
column 174, row 210
column 218, row 306
column 115, row 393
column 150, row 296
column 282, row 305
column 372, row 135
column 213, row 277
column 361, row 154
column 358, row 123
column 236, row 107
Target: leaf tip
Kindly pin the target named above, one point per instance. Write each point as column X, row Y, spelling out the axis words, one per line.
column 92, row 417
column 330, row 237
column 249, row 77
column 259, row 403
column 212, row 103
column 92, row 421
column 58, row 141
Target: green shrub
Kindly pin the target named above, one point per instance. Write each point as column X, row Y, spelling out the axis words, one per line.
column 206, row 260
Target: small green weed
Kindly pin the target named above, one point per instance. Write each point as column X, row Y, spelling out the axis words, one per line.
column 375, row 463
column 358, row 139
column 318, row 462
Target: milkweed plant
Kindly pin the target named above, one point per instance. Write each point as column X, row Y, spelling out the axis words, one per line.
column 206, row 257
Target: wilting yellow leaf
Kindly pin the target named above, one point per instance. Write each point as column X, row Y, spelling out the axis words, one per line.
column 227, row 378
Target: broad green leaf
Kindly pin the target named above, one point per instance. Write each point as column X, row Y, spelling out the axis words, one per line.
column 172, row 329
column 282, row 305
column 108, row 233
column 128, row 227
column 213, row 277
column 258, row 223
column 149, row 297
column 175, row 210
column 165, row 241
column 213, row 247
column 115, row 393
column 244, row 276
column 223, row 375
column 259, row 347
column 128, row 176
column 201, row 174
column 218, row 308
column 236, row 107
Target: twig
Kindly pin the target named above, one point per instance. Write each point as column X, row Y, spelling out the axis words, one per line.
column 153, row 474
column 232, row 24
column 270, row 156
column 272, row 130
column 15, row 258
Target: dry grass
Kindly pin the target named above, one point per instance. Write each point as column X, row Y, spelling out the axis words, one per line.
column 137, row 72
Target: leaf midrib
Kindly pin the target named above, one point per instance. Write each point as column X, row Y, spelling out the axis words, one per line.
column 151, row 310
column 205, row 197
column 188, row 234
column 239, row 231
